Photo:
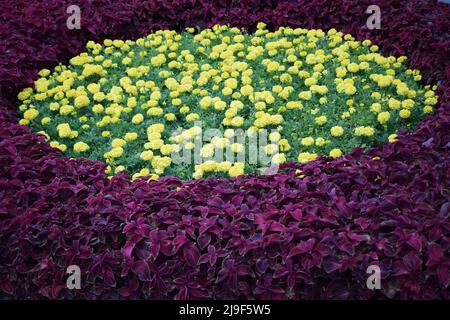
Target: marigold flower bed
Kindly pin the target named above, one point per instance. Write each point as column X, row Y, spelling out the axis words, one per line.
column 127, row 102
column 275, row 236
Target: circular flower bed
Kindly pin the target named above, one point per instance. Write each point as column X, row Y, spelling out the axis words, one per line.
column 320, row 93
column 284, row 236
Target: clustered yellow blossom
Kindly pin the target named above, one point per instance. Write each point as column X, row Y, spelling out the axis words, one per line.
column 137, row 104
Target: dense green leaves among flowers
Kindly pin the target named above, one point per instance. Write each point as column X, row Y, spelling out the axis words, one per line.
column 134, row 104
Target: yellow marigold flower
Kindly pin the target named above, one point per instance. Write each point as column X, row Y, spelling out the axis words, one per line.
column 305, row 95
column 383, row 117
column 336, row 131
column 294, row 105
column 335, row 153
column 306, row 156
column 66, row 109
column 247, row 90
column 427, row 109
column 146, row 155
column 405, row 113
column 155, row 112
column 353, row 67
column 62, row 147
column 64, row 130
column 45, row 120
column 80, row 147
column 119, row 169
column 54, row 106
column 157, row 127
column 392, row 138
column 98, row 108
column 130, row 136
column 274, row 136
column 284, row 145
column 279, row 158
column 236, row 104
column 116, row 152
column 81, row 101
column 220, row 105
column 205, row 102
column 237, row 121
column 192, row 117
column 308, row 141
column 321, row 120
column 137, row 118
column 375, row 107
column 236, row 170
column 320, row 142
column 394, row 103
column 170, row 117
column 118, row 143
column 30, row 114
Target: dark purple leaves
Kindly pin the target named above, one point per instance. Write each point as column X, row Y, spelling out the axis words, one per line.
column 142, row 270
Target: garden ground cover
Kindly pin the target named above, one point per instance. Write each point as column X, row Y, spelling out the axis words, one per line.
column 277, row 236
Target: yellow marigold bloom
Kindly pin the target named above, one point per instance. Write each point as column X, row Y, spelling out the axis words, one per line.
column 236, row 104
column 30, row 114
column 305, row 95
column 279, row 158
column 320, row 142
column 93, row 88
column 394, row 103
column 274, row 136
column 130, row 136
column 236, row 170
column 247, row 90
column 405, row 113
column 392, row 138
column 353, row 67
column 321, row 120
column 383, row 117
column 119, row 169
column 81, row 101
column 170, row 117
column 192, row 117
column 116, row 152
column 335, row 153
column 146, row 155
column 98, row 108
column 237, row 121
column 118, row 143
column 106, row 134
column 155, row 112
column 64, row 130
column 46, row 120
column 137, row 118
column 54, row 106
column 25, row 94
column 336, row 131
column 205, row 102
column 427, row 109
column 80, row 147
column 66, row 109
column 284, row 145
column 220, row 105
column 375, row 107
column 308, row 141
column 364, row 131
column 306, row 156
column 294, row 105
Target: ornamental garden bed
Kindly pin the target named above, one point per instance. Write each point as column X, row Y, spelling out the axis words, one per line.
column 94, row 122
